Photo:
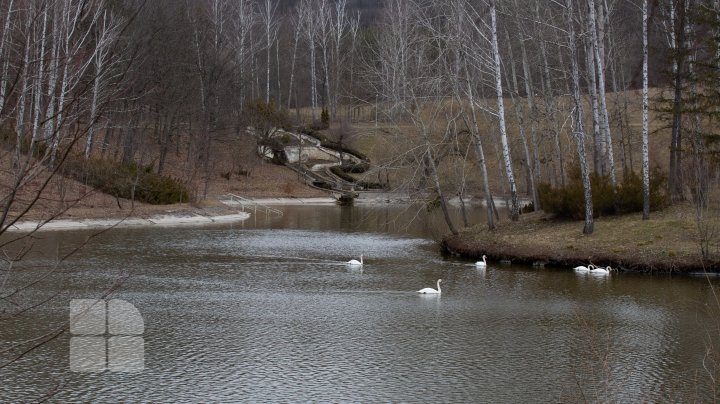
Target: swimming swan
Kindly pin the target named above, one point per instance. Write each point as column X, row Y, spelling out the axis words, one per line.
column 356, row 262
column 583, row 268
column 605, row 270
column 481, row 264
column 431, row 290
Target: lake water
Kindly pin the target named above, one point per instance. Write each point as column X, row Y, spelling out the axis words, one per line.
column 267, row 311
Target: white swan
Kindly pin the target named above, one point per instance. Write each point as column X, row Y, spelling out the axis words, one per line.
column 605, row 270
column 583, row 268
column 356, row 262
column 431, row 290
column 481, row 264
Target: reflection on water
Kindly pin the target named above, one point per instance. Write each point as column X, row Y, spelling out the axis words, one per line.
column 268, row 311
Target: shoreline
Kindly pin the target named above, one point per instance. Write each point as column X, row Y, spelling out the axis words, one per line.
column 667, row 243
column 160, row 220
column 464, row 247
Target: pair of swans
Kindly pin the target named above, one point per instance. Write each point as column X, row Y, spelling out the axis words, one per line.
column 356, row 263
column 594, row 269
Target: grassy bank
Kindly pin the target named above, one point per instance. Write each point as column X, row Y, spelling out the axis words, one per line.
column 668, row 242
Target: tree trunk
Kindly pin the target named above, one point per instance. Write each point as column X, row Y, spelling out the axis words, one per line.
column 674, row 180
column 6, row 60
column 531, row 190
column 480, row 153
column 579, row 131
column 514, row 209
column 598, row 138
column 645, row 107
column 430, row 164
column 596, row 37
column 551, row 103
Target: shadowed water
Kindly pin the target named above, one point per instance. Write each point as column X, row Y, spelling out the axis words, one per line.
column 268, row 311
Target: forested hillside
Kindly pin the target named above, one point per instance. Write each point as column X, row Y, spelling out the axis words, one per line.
column 488, row 97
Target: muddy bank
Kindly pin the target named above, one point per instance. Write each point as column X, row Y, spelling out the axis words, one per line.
column 667, row 243
column 464, row 246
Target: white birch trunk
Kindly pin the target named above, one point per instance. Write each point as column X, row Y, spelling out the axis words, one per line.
column 579, row 130
column 340, row 27
column 52, row 80
column 245, row 22
column 598, row 52
column 324, row 19
column 268, row 12
column 514, row 208
column 5, row 43
column 598, row 138
column 645, row 108
column 296, row 39
column 530, row 98
column 38, row 91
column 19, row 120
column 308, row 22
column 550, row 102
column 521, row 124
column 480, row 154
column 107, row 35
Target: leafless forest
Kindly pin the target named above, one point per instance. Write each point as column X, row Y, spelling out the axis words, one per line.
column 541, row 87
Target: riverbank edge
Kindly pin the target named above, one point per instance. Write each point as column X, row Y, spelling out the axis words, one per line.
column 465, row 245
column 159, row 220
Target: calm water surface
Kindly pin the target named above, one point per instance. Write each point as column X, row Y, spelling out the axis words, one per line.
column 267, row 311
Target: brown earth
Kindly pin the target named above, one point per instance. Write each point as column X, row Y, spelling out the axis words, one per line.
column 668, row 242
column 66, row 198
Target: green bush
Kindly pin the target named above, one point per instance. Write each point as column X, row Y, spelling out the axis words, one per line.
column 569, row 202
column 127, row 180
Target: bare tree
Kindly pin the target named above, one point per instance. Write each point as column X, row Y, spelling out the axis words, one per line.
column 579, row 130
column 514, row 208
column 596, row 38
column 4, row 49
column 309, row 23
column 645, row 108
column 268, row 18
column 296, row 23
column 107, row 33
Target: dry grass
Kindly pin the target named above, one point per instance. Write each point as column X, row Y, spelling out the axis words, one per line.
column 67, row 198
column 668, row 242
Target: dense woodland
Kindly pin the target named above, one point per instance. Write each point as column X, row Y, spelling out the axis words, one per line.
column 555, row 91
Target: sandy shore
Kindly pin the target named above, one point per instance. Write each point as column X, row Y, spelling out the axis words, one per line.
column 157, row 220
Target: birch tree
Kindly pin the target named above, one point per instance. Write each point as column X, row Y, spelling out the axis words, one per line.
column 520, row 114
column 107, row 33
column 308, row 21
column 514, row 208
column 243, row 24
column 423, row 90
column 296, row 23
column 645, row 108
column 596, row 38
column 323, row 37
column 5, row 64
column 579, row 130
column 268, row 18
column 550, row 101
